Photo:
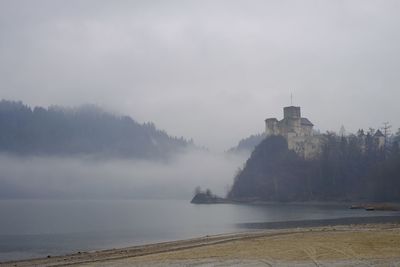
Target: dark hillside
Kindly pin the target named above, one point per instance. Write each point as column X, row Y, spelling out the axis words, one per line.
column 344, row 170
column 86, row 130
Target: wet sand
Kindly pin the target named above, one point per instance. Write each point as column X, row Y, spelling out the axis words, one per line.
column 341, row 245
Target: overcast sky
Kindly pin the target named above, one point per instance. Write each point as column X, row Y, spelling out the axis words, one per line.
column 208, row 70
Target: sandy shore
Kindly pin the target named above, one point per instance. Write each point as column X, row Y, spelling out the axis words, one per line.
column 351, row 245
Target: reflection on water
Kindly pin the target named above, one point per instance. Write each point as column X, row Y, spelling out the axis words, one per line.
column 34, row 228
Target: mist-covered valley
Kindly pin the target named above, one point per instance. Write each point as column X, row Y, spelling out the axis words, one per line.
column 90, row 178
column 88, row 152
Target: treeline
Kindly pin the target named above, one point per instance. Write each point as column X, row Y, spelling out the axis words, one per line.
column 247, row 144
column 349, row 168
column 87, row 130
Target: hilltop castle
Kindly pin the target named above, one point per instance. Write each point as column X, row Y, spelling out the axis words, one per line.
column 300, row 136
column 298, row 132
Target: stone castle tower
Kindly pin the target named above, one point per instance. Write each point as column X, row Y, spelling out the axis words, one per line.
column 297, row 131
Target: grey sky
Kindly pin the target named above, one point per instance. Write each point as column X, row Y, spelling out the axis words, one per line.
column 211, row 70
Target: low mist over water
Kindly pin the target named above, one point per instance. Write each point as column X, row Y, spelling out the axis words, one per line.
column 52, row 177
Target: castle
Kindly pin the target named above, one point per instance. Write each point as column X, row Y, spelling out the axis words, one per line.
column 297, row 131
column 300, row 135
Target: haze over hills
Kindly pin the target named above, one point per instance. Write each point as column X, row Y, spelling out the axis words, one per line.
column 87, row 152
column 247, row 145
column 85, row 130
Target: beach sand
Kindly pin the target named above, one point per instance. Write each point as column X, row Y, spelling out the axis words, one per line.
column 346, row 245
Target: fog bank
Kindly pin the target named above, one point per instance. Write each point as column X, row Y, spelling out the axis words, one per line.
column 40, row 177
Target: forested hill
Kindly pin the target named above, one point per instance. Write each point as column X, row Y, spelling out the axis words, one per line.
column 87, row 130
column 248, row 144
column 348, row 169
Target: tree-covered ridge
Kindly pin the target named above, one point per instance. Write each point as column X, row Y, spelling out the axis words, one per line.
column 247, row 144
column 87, row 130
column 348, row 168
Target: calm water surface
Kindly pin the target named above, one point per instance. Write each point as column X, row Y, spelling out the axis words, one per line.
column 37, row 228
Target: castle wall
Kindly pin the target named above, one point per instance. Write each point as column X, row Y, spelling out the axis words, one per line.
column 271, row 127
column 305, row 146
column 306, row 130
column 286, row 126
column 291, row 112
column 299, row 136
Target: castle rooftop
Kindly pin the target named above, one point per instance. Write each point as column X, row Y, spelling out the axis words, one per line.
column 305, row 121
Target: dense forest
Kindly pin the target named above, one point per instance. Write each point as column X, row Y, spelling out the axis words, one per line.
column 87, row 130
column 348, row 168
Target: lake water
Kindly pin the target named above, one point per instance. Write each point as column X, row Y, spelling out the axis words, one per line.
column 37, row 228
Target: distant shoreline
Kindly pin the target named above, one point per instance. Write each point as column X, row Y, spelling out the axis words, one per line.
column 255, row 230
column 322, row 222
column 394, row 206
